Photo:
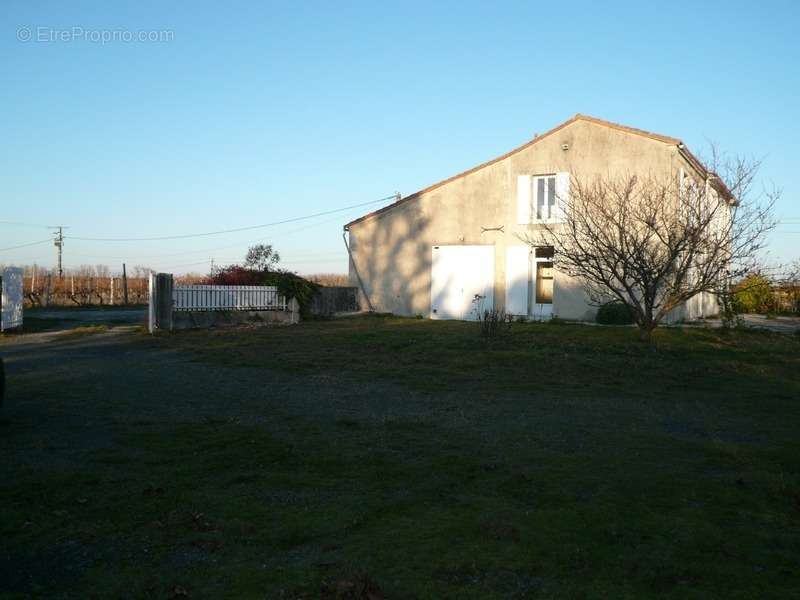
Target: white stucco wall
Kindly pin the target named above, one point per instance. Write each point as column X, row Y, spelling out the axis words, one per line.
column 392, row 249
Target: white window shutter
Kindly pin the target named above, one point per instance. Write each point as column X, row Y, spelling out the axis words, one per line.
column 562, row 197
column 523, row 199
column 517, row 261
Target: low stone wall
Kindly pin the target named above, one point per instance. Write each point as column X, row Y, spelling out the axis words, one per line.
column 233, row 318
column 331, row 300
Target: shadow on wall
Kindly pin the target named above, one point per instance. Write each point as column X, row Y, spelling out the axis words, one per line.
column 571, row 299
column 393, row 256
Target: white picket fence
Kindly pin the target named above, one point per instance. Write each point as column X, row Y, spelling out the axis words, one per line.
column 227, row 297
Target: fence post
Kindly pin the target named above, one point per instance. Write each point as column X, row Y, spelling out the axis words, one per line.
column 151, row 302
column 161, row 286
column 124, row 285
column 164, row 285
column 294, row 307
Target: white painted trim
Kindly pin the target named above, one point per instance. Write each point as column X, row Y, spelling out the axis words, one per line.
column 524, row 214
column 518, row 260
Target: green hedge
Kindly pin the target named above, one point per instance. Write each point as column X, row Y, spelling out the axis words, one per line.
column 293, row 286
column 614, row 313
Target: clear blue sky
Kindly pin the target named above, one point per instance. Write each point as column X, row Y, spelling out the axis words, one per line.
column 253, row 113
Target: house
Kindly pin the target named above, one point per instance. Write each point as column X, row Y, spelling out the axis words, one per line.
column 454, row 246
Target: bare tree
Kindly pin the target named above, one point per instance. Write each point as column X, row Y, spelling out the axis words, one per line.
column 653, row 243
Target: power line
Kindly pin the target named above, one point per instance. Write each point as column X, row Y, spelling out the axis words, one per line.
column 222, row 231
column 20, row 224
column 341, row 259
column 288, row 262
column 191, row 264
column 303, row 258
column 26, row 245
column 280, row 234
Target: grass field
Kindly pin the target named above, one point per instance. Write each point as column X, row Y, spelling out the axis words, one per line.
column 555, row 461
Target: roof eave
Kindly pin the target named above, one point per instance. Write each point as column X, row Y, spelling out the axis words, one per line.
column 715, row 179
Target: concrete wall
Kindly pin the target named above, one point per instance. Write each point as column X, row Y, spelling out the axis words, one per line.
column 331, row 300
column 392, row 250
column 203, row 319
column 162, row 315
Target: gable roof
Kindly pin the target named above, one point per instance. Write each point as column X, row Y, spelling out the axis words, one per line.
column 578, row 117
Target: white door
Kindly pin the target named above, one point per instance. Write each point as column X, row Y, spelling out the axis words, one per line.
column 462, row 281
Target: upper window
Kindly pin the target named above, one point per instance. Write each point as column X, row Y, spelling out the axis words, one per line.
column 542, row 198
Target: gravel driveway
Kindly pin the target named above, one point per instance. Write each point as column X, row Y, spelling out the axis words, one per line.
column 84, row 391
column 56, row 318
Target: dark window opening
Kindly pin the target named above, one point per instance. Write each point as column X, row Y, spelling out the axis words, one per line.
column 544, row 283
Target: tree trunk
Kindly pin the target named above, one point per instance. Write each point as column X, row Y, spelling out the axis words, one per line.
column 646, row 331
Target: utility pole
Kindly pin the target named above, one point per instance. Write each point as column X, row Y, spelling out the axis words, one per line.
column 59, row 244
column 212, row 266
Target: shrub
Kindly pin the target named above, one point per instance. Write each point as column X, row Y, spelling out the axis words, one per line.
column 491, row 322
column 292, row 285
column 753, row 294
column 614, row 313
column 289, row 284
column 494, row 322
column 236, row 275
